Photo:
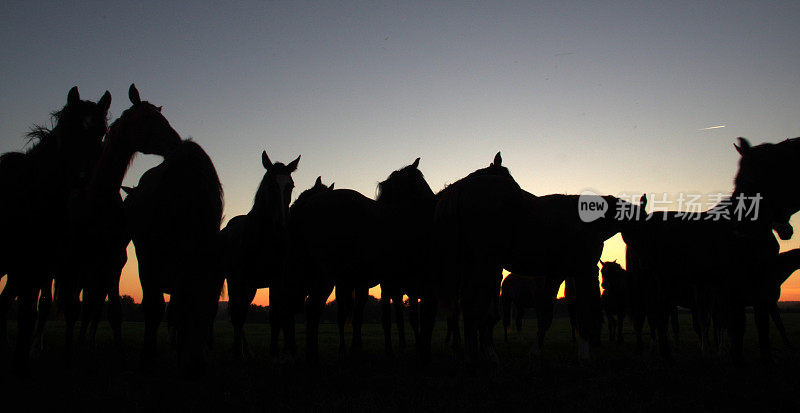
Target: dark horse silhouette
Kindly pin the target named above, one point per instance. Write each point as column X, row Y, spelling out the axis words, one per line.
column 728, row 253
column 254, row 252
column 518, row 293
column 567, row 248
column 616, row 298
column 335, row 240
column 174, row 217
column 35, row 187
column 478, row 222
column 407, row 203
column 97, row 226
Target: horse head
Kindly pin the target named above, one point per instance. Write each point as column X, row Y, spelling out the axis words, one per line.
column 405, row 187
column 275, row 192
column 77, row 134
column 764, row 183
column 146, row 129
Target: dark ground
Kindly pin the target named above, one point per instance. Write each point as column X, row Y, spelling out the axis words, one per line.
column 616, row 379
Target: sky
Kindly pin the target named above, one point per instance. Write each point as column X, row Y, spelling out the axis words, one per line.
column 615, row 97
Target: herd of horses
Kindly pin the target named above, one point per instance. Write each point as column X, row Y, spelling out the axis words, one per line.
column 64, row 219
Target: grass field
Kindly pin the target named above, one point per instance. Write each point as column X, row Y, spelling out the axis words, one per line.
column 616, row 378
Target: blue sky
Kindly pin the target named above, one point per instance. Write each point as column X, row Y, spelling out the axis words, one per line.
column 606, row 96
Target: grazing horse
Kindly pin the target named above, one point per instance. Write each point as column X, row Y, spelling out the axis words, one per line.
column 478, row 223
column 174, row 218
column 98, row 231
column 407, row 203
column 35, row 187
column 254, row 252
column 616, row 298
column 335, row 240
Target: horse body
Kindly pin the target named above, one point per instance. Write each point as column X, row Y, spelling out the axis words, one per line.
column 407, row 204
column 723, row 254
column 254, row 252
column 35, row 187
column 566, row 248
column 475, row 230
column 174, row 216
column 336, row 240
column 518, row 293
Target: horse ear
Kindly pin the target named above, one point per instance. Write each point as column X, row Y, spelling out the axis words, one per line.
column 332, row 183
column 318, row 182
column 416, row 163
column 73, row 96
column 293, row 164
column 105, row 101
column 743, row 145
column 498, row 160
column 133, row 95
column 265, row 160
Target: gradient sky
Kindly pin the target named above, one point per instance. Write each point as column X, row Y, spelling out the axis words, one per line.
column 611, row 97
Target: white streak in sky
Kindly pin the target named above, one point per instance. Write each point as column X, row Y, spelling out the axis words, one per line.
column 713, row 127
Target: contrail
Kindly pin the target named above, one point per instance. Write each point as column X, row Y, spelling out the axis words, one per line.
column 713, row 127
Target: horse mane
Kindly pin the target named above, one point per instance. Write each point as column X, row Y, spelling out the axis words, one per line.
column 397, row 186
column 190, row 176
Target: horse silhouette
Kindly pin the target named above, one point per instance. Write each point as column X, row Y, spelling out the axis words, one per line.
column 566, row 247
column 518, row 293
column 35, row 187
column 174, row 219
column 724, row 254
column 477, row 226
column 788, row 262
column 97, row 225
column 255, row 252
column 335, row 240
column 616, row 298
column 407, row 204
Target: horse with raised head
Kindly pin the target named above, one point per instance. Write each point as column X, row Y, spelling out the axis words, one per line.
column 336, row 239
column 728, row 253
column 407, row 203
column 98, row 230
column 174, row 218
column 254, row 252
column 35, row 187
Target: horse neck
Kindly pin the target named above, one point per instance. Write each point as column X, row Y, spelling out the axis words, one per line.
column 790, row 262
column 118, row 151
column 261, row 213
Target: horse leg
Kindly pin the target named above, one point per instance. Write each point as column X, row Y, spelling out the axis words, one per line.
column 386, row 321
column 429, row 307
column 736, row 324
column 505, row 303
column 413, row 314
column 69, row 301
column 544, row 319
column 154, row 306
column 774, row 312
column 238, row 306
column 620, row 323
column 5, row 298
column 314, row 306
column 399, row 308
column 519, row 313
column 361, row 294
column 45, row 304
column 612, row 323
column 277, row 310
column 115, row 309
column 344, row 307
column 761, row 313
